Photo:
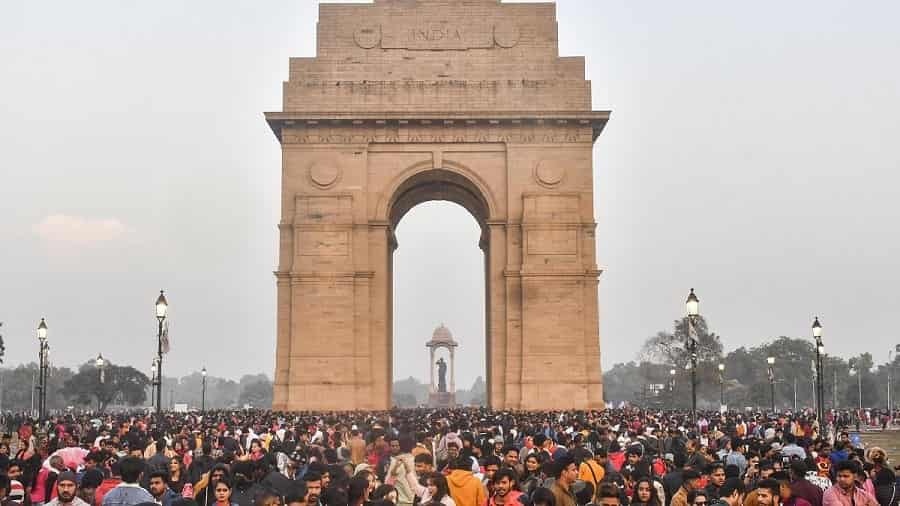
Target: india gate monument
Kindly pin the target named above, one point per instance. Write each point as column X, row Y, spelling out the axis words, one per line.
column 408, row 101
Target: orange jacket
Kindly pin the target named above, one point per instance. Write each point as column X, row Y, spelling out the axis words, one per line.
column 466, row 489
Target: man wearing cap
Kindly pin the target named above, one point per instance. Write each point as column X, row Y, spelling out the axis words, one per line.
column 66, row 488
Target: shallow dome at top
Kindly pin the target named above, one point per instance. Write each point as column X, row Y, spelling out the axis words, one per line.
column 442, row 333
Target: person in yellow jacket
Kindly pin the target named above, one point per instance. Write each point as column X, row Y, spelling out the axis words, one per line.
column 589, row 470
column 465, row 488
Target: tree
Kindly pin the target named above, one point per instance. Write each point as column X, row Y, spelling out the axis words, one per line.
column 404, row 400
column 17, row 387
column 862, row 366
column 220, row 393
column 120, row 383
column 669, row 347
column 2, row 346
column 257, row 393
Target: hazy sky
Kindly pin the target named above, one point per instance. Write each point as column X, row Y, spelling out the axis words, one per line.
column 753, row 154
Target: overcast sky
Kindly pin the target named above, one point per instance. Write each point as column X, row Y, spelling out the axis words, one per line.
column 753, row 154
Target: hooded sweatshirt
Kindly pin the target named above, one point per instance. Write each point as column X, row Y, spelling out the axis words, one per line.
column 466, row 489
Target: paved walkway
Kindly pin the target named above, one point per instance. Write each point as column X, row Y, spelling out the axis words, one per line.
column 889, row 440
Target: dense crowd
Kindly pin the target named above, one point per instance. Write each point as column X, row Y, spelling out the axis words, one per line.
column 460, row 457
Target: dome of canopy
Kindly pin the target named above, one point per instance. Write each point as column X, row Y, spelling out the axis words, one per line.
column 442, row 334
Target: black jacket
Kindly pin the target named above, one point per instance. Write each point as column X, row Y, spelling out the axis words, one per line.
column 887, row 495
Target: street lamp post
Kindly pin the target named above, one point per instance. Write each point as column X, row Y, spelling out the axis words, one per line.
column 162, row 307
column 672, row 373
column 154, row 371
column 820, row 383
column 43, row 348
column 101, row 365
column 203, row 394
column 890, row 361
column 771, row 362
column 721, row 384
column 46, row 375
column 795, row 395
column 890, row 374
column 855, row 369
column 693, row 311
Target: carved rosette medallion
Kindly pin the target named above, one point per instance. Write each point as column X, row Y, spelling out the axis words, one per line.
column 506, row 34
column 549, row 173
column 367, row 36
column 324, row 175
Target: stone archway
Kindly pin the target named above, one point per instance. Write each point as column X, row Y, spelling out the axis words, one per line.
column 453, row 183
column 431, row 101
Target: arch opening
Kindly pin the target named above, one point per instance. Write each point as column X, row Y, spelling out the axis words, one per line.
column 439, row 279
column 438, row 184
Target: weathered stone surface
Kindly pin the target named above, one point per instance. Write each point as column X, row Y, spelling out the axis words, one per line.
column 416, row 100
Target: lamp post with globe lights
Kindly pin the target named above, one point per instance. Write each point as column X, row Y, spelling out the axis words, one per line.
column 857, row 371
column 771, row 362
column 162, row 308
column 722, row 384
column 693, row 311
column 672, row 373
column 101, row 365
column 154, row 374
column 820, row 383
column 890, row 377
column 43, row 353
column 203, row 391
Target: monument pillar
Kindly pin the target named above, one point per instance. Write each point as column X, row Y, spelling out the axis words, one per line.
column 453, row 370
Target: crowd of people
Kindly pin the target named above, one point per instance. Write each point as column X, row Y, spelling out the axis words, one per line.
column 458, row 457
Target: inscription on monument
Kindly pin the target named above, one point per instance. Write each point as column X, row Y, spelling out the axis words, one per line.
column 415, row 34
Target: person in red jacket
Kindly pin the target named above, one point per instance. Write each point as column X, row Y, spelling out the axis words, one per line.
column 45, row 485
column 108, row 483
column 616, row 455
